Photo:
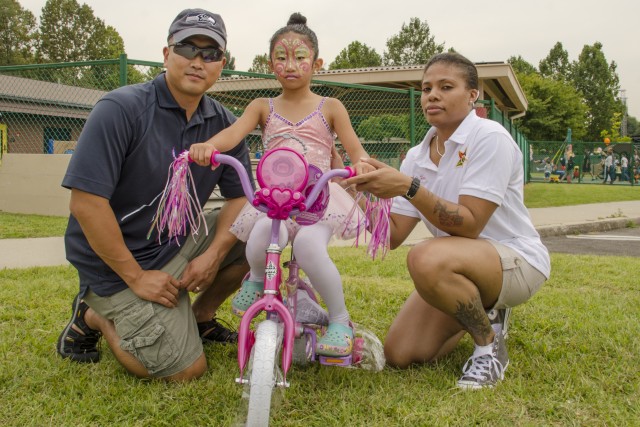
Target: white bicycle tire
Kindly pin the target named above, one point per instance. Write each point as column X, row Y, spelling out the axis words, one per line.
column 263, row 374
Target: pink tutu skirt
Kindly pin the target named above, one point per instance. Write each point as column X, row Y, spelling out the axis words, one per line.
column 338, row 216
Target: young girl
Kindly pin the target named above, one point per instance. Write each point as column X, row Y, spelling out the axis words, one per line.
column 308, row 123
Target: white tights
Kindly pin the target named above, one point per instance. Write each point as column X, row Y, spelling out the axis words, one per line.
column 310, row 250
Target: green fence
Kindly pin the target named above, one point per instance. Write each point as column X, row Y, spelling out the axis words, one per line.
column 45, row 106
column 519, row 138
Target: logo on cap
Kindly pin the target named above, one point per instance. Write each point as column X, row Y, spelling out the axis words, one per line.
column 202, row 17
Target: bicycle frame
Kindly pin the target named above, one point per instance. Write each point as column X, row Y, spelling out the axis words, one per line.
column 271, row 301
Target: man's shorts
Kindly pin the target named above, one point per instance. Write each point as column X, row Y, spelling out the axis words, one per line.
column 520, row 281
column 165, row 340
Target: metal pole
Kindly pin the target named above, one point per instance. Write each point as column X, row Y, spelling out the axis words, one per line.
column 123, row 69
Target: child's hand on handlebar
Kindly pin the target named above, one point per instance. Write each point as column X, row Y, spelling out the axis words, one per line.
column 201, row 153
column 363, row 167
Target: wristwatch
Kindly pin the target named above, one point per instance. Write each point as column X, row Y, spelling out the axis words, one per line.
column 413, row 189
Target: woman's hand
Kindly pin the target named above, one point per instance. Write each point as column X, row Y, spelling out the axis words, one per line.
column 384, row 181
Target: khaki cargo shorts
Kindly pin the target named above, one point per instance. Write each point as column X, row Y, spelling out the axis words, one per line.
column 165, row 340
column 520, row 281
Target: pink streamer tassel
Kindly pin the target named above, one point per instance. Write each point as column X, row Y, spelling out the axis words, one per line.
column 178, row 211
column 376, row 222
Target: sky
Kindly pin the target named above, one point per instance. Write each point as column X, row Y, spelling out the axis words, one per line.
column 482, row 31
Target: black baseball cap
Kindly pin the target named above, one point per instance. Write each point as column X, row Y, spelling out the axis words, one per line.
column 192, row 22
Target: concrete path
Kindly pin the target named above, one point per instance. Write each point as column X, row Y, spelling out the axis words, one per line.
column 37, row 252
column 49, row 251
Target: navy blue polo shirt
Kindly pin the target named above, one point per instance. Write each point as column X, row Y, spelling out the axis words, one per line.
column 123, row 154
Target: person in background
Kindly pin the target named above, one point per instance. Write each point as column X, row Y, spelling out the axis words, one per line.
column 618, row 170
column 586, row 165
column 624, row 167
column 547, row 171
column 569, row 171
column 609, row 167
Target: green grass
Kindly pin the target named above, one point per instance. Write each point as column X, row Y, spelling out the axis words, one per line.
column 536, row 195
column 17, row 226
column 544, row 194
column 574, row 360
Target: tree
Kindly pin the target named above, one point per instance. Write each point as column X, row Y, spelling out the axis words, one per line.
column 382, row 128
column 260, row 64
column 356, row 55
column 151, row 73
column 413, row 45
column 599, row 85
column 231, row 61
column 386, row 126
column 520, row 66
column 554, row 106
column 18, row 35
column 633, row 127
column 614, row 132
column 556, row 65
column 70, row 32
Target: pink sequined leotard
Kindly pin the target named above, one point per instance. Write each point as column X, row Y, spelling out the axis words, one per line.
column 312, row 137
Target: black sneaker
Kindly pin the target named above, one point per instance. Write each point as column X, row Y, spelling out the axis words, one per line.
column 212, row 331
column 499, row 319
column 79, row 347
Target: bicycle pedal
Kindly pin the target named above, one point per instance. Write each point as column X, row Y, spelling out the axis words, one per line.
column 335, row 361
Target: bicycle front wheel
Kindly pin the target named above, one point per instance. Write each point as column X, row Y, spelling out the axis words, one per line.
column 263, row 373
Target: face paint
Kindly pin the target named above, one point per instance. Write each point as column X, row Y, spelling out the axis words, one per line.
column 290, row 54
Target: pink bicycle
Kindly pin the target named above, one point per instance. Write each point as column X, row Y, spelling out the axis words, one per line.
column 289, row 188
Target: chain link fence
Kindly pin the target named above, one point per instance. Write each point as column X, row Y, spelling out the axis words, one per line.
column 45, row 106
column 584, row 162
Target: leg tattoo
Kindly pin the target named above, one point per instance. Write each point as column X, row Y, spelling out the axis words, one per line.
column 473, row 317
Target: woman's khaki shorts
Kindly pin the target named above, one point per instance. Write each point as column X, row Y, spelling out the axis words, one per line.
column 165, row 340
column 520, row 281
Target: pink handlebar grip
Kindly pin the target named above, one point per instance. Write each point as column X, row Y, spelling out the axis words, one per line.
column 213, row 158
column 352, row 171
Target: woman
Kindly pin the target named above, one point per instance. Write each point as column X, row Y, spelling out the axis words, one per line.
column 465, row 181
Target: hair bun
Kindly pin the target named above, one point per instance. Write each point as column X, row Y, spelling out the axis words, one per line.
column 297, row 19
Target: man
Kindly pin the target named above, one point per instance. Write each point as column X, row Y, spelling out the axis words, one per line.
column 134, row 289
column 609, row 168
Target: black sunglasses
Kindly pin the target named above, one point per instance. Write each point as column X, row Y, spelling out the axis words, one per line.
column 209, row 54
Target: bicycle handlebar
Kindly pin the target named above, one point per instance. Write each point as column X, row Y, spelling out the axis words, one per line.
column 218, row 158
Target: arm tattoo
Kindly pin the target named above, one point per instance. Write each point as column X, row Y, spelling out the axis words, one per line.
column 473, row 317
column 447, row 218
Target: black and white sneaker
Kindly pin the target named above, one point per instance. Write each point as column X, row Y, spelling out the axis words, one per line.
column 213, row 331
column 486, row 366
column 81, row 347
column 499, row 319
